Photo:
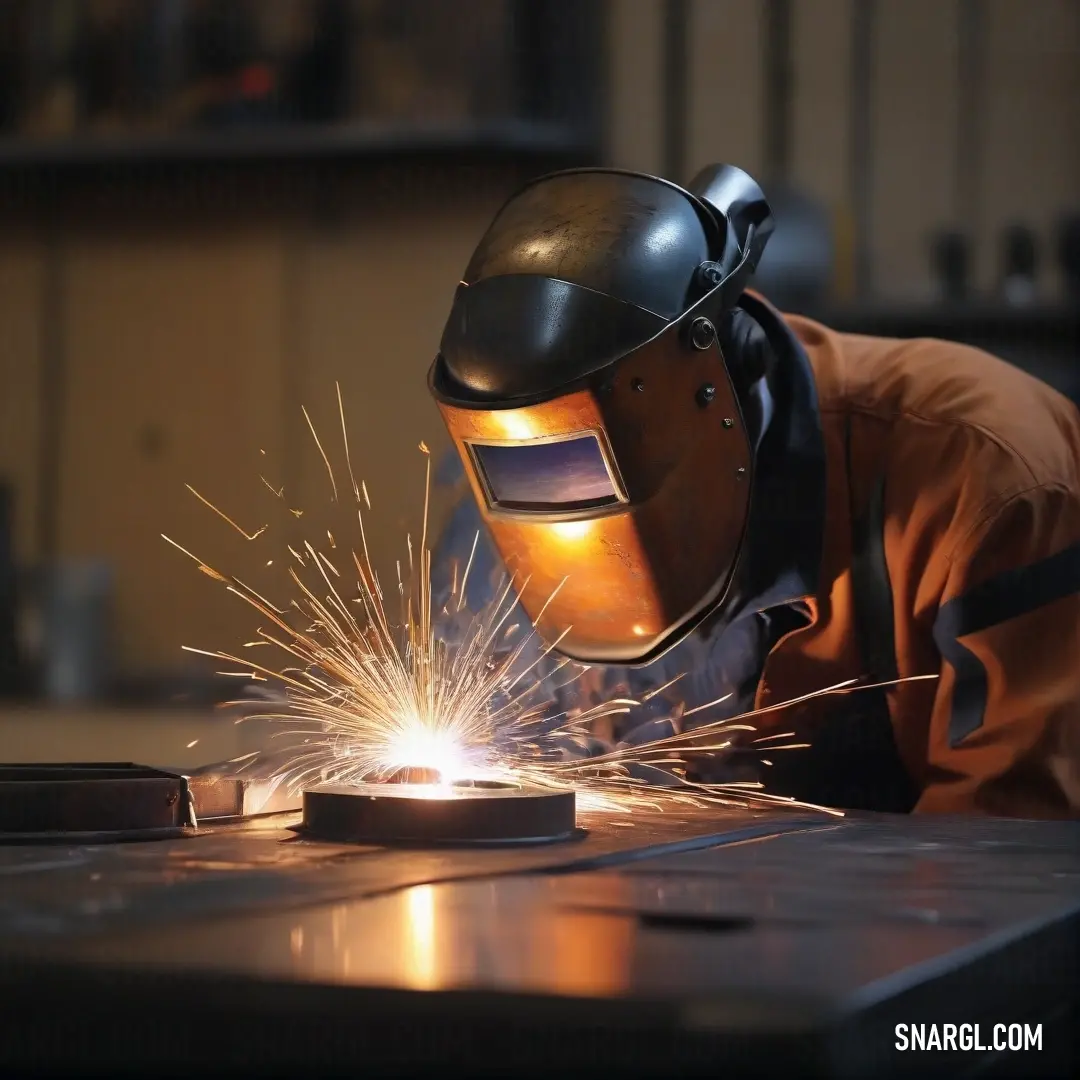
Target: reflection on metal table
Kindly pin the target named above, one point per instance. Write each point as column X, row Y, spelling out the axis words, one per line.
column 684, row 943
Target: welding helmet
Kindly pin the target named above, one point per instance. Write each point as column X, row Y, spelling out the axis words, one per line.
column 581, row 378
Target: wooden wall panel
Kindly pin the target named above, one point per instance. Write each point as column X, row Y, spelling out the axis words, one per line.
column 1031, row 154
column 372, row 300
column 635, row 98
column 821, row 106
column 22, row 281
column 914, row 137
column 173, row 376
column 726, row 88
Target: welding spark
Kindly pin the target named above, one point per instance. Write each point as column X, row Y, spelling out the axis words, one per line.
column 377, row 693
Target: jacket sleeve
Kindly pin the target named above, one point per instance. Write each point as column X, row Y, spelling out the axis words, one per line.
column 1005, row 729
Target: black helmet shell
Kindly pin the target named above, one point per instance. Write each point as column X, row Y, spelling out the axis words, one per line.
column 577, row 269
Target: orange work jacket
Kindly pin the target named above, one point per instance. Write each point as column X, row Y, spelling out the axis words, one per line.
column 979, row 472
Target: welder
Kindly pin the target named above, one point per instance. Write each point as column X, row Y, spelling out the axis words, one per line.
column 684, row 480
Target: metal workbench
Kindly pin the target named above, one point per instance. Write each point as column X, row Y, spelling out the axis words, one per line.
column 688, row 942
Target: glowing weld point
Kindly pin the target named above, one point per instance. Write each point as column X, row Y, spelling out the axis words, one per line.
column 438, row 752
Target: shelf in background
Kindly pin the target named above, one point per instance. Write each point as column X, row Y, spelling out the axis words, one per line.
column 1043, row 340
column 346, row 144
column 1057, row 324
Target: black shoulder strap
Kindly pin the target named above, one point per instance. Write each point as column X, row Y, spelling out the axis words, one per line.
column 870, row 582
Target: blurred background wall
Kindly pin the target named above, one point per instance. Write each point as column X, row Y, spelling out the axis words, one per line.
column 210, row 212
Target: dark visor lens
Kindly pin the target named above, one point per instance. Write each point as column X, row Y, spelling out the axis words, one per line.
column 570, row 474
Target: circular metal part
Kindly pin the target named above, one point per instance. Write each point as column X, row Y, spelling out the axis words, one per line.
column 637, row 385
column 706, row 395
column 473, row 812
column 702, row 334
column 740, row 473
column 728, row 422
column 710, row 274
